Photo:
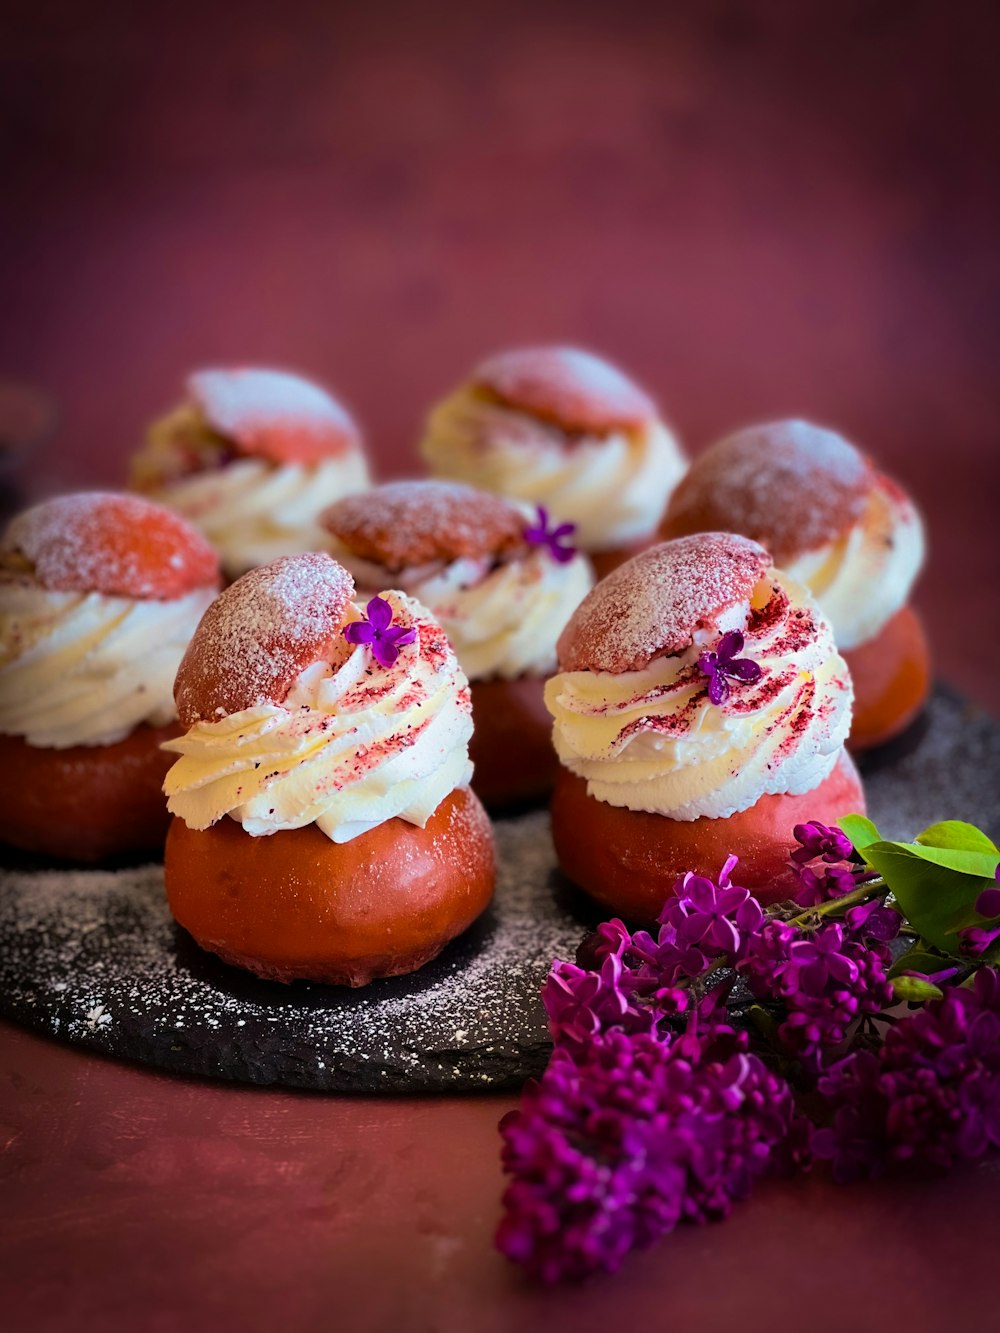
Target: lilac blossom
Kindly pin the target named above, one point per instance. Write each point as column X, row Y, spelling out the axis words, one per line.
column 379, row 633
column 722, row 664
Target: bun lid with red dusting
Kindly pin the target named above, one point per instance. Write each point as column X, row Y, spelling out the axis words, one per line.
column 407, row 523
column 260, row 634
column 117, row 545
column 575, row 389
column 653, row 604
column 273, row 415
column 790, row 485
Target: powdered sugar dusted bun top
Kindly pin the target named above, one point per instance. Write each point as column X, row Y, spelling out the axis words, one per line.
column 251, row 457
column 99, row 596
column 272, row 414
column 696, row 679
column 346, row 731
column 827, row 516
column 260, row 633
column 409, row 523
column 478, row 561
column 560, row 427
column 119, row 545
column 789, row 485
column 573, row 388
column 657, row 602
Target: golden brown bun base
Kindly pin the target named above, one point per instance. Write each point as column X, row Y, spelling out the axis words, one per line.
column 296, row 906
column 629, row 860
column 511, row 746
column 88, row 802
column 892, row 679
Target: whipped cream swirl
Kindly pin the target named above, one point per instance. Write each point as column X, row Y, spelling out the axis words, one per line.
column 501, row 619
column 86, row 669
column 862, row 580
column 614, row 486
column 253, row 511
column 353, row 745
column 652, row 740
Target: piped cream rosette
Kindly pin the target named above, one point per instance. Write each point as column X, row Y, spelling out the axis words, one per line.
column 652, row 739
column 353, row 744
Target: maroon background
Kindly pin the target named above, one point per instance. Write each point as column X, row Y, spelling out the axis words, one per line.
column 757, row 209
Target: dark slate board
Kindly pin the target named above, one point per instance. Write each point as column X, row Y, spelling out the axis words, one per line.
column 92, row 957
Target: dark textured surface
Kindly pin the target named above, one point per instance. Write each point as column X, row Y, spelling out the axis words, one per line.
column 761, row 210
column 93, row 957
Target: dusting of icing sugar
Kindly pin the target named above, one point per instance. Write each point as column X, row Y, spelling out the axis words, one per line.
column 789, row 485
column 408, row 523
column 80, row 943
column 118, row 545
column 574, row 388
column 273, row 414
column 257, row 637
column 93, row 957
column 656, row 602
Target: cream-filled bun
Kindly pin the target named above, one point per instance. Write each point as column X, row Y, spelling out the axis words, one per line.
column 700, row 698
column 251, row 457
column 99, row 596
column 334, row 738
column 502, row 583
column 559, row 427
column 841, row 528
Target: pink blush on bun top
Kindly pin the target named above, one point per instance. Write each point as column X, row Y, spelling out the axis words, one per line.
column 652, row 605
column 117, row 545
column 575, row 389
column 407, row 523
column 273, row 415
column 260, row 634
column 791, row 486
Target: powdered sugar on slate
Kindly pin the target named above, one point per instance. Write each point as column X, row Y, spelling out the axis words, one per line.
column 260, row 634
column 656, row 601
column 274, row 414
column 119, row 545
column 789, row 485
column 93, row 957
column 408, row 523
column 576, row 389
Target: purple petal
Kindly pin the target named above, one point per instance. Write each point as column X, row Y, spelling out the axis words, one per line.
column 379, row 613
column 988, row 903
column 743, row 669
column 397, row 636
column 730, row 644
column 384, row 653
column 359, row 631
column 562, row 554
column 563, row 530
column 718, row 688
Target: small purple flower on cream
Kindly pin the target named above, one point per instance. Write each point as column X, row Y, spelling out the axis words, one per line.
column 540, row 534
column 379, row 633
column 723, row 665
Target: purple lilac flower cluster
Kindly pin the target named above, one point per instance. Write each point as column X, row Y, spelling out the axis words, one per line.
column 620, row 1141
column 653, row 1110
column 931, row 1093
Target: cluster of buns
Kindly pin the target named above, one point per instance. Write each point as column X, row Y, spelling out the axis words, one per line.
column 320, row 737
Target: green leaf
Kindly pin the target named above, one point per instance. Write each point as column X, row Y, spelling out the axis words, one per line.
column 918, row 959
column 959, row 836
column 935, row 898
column 981, row 864
column 860, row 830
column 915, row 990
